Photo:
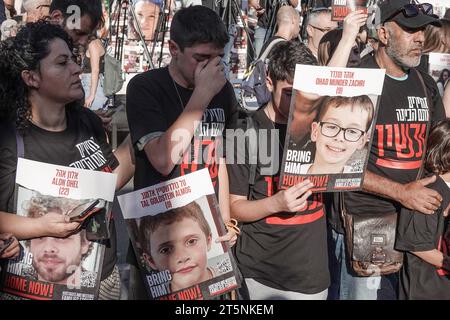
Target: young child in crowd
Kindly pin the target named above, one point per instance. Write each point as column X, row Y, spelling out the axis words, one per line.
column 425, row 237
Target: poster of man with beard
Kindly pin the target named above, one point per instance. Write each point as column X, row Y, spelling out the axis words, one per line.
column 69, row 268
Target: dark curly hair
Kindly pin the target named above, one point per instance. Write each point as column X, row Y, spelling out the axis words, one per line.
column 24, row 52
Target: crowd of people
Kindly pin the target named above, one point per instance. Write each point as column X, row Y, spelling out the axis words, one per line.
column 290, row 243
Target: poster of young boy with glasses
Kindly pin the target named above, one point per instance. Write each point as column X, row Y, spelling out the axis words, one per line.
column 330, row 126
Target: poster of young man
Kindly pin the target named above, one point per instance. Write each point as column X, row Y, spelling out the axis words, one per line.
column 330, row 127
column 341, row 8
column 173, row 227
column 440, row 69
column 60, row 268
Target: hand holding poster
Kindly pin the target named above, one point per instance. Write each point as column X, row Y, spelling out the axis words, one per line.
column 341, row 8
column 330, row 125
column 59, row 268
column 173, row 226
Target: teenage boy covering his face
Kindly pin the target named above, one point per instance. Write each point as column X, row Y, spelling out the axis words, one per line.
column 177, row 114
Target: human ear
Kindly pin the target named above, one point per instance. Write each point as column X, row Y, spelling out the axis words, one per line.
column 309, row 30
column 383, row 35
column 208, row 242
column 269, row 84
column 173, row 48
column 84, row 246
column 362, row 141
column 57, row 17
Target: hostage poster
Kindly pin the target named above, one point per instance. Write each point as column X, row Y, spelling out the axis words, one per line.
column 173, row 227
column 341, row 8
column 440, row 69
column 60, row 268
column 330, row 127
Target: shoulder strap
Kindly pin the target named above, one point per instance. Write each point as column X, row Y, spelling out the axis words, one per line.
column 430, row 102
column 253, row 154
column 266, row 52
column 19, row 142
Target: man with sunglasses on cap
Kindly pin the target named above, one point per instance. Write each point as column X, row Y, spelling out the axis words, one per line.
column 398, row 141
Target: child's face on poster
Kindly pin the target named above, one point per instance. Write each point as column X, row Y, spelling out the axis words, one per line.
column 147, row 14
column 181, row 247
column 338, row 150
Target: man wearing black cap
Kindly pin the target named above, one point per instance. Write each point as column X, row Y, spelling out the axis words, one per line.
column 398, row 140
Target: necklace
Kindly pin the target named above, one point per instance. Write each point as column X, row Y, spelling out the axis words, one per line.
column 273, row 126
column 178, row 94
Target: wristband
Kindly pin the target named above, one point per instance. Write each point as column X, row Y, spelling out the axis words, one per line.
column 232, row 225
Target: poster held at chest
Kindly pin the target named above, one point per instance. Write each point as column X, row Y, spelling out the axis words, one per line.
column 173, row 227
column 68, row 268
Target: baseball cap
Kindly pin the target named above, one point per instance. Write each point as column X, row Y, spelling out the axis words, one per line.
column 391, row 10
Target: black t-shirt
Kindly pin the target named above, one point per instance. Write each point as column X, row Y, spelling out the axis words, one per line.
column 285, row 251
column 63, row 148
column 422, row 232
column 153, row 106
column 399, row 134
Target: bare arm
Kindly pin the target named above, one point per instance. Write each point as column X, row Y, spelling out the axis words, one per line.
column 413, row 195
column 290, row 200
column 125, row 156
column 164, row 152
column 224, row 202
column 434, row 257
column 51, row 225
column 96, row 51
column 224, row 191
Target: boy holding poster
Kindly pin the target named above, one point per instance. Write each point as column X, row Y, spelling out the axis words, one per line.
column 282, row 249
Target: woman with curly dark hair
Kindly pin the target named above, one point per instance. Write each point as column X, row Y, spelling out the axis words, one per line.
column 41, row 110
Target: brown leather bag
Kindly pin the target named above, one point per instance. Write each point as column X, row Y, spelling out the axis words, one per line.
column 370, row 243
column 370, row 238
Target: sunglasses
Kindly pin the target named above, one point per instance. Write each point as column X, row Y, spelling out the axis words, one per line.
column 411, row 10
